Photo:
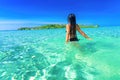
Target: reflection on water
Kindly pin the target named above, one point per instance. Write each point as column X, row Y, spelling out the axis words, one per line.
column 72, row 67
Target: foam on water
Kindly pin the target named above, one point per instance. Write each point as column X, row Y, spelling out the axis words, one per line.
column 43, row 55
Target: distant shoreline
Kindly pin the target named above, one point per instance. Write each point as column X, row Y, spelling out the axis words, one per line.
column 54, row 26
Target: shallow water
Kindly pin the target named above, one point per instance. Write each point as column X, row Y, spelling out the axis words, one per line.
column 44, row 55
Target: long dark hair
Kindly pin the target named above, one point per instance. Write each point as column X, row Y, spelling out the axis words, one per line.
column 72, row 22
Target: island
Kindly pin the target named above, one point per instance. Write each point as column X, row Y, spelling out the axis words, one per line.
column 54, row 26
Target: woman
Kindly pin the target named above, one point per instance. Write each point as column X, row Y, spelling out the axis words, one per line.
column 71, row 28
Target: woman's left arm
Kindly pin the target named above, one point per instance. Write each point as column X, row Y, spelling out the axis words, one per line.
column 82, row 33
column 67, row 33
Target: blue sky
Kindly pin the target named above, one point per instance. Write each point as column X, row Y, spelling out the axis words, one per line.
column 18, row 13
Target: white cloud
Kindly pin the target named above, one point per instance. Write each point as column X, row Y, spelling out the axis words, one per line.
column 15, row 24
column 26, row 22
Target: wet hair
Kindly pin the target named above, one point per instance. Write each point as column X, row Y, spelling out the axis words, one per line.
column 72, row 22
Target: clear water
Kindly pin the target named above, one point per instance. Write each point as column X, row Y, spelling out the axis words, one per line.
column 44, row 55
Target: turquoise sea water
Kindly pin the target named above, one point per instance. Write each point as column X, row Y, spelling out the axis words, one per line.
column 44, row 55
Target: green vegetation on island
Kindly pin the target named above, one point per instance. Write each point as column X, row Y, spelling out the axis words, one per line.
column 54, row 26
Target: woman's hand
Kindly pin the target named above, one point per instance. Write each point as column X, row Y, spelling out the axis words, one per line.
column 89, row 39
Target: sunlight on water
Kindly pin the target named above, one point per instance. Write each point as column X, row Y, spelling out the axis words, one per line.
column 44, row 55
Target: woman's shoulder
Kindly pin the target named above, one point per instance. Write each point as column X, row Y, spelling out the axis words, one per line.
column 77, row 25
column 67, row 24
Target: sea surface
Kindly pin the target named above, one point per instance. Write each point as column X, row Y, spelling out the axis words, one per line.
column 44, row 55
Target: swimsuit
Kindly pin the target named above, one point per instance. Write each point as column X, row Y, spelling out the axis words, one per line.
column 74, row 39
